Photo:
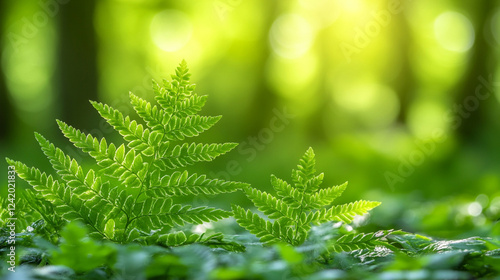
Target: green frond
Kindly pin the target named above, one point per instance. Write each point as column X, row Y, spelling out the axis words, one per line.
column 128, row 167
column 188, row 154
column 129, row 195
column 325, row 197
column 217, row 240
column 88, row 187
column 29, row 211
column 4, row 213
column 164, row 98
column 288, row 194
column 67, row 205
column 190, row 106
column 155, row 213
column 304, row 175
column 68, row 169
column 297, row 207
column 182, row 184
column 180, row 238
column 179, row 128
column 271, row 206
column 344, row 213
column 140, row 139
column 173, row 239
column 172, row 94
column 181, row 74
column 266, row 231
column 352, row 242
column 155, row 118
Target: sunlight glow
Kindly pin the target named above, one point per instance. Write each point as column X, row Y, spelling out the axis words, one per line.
column 426, row 116
column 352, row 6
column 171, row 30
column 321, row 13
column 474, row 209
column 454, row 32
column 291, row 36
column 375, row 104
column 289, row 77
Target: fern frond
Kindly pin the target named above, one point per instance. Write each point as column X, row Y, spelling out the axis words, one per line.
column 343, row 213
column 352, row 242
column 88, row 187
column 188, row 154
column 179, row 128
column 266, row 231
column 180, row 238
column 289, row 194
column 157, row 213
column 271, row 206
column 179, row 107
column 299, row 206
column 67, row 205
column 190, row 106
column 326, row 196
column 303, row 177
column 128, row 167
column 155, row 118
column 130, row 195
column 140, row 139
column 182, row 184
column 29, row 211
column 181, row 77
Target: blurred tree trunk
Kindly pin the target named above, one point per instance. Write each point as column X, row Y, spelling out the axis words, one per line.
column 317, row 129
column 264, row 100
column 6, row 112
column 77, row 71
column 482, row 66
column 404, row 82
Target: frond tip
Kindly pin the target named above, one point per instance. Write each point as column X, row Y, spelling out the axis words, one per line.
column 297, row 206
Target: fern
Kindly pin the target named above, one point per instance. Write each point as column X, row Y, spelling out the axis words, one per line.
column 296, row 208
column 360, row 241
column 132, row 195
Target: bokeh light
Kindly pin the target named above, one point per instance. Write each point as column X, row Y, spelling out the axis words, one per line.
column 426, row 117
column 374, row 104
column 291, row 36
column 171, row 30
column 454, row 31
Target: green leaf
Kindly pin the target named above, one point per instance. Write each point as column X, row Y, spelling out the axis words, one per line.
column 79, row 252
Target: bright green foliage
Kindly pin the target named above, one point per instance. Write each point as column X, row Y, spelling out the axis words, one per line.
column 360, row 241
column 297, row 207
column 80, row 252
column 133, row 192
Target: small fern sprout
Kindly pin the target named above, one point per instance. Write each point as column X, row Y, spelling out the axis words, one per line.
column 297, row 206
column 132, row 194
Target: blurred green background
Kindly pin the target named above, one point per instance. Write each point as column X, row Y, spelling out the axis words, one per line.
column 400, row 98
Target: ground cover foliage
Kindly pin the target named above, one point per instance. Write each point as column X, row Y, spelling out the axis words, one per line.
column 127, row 218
